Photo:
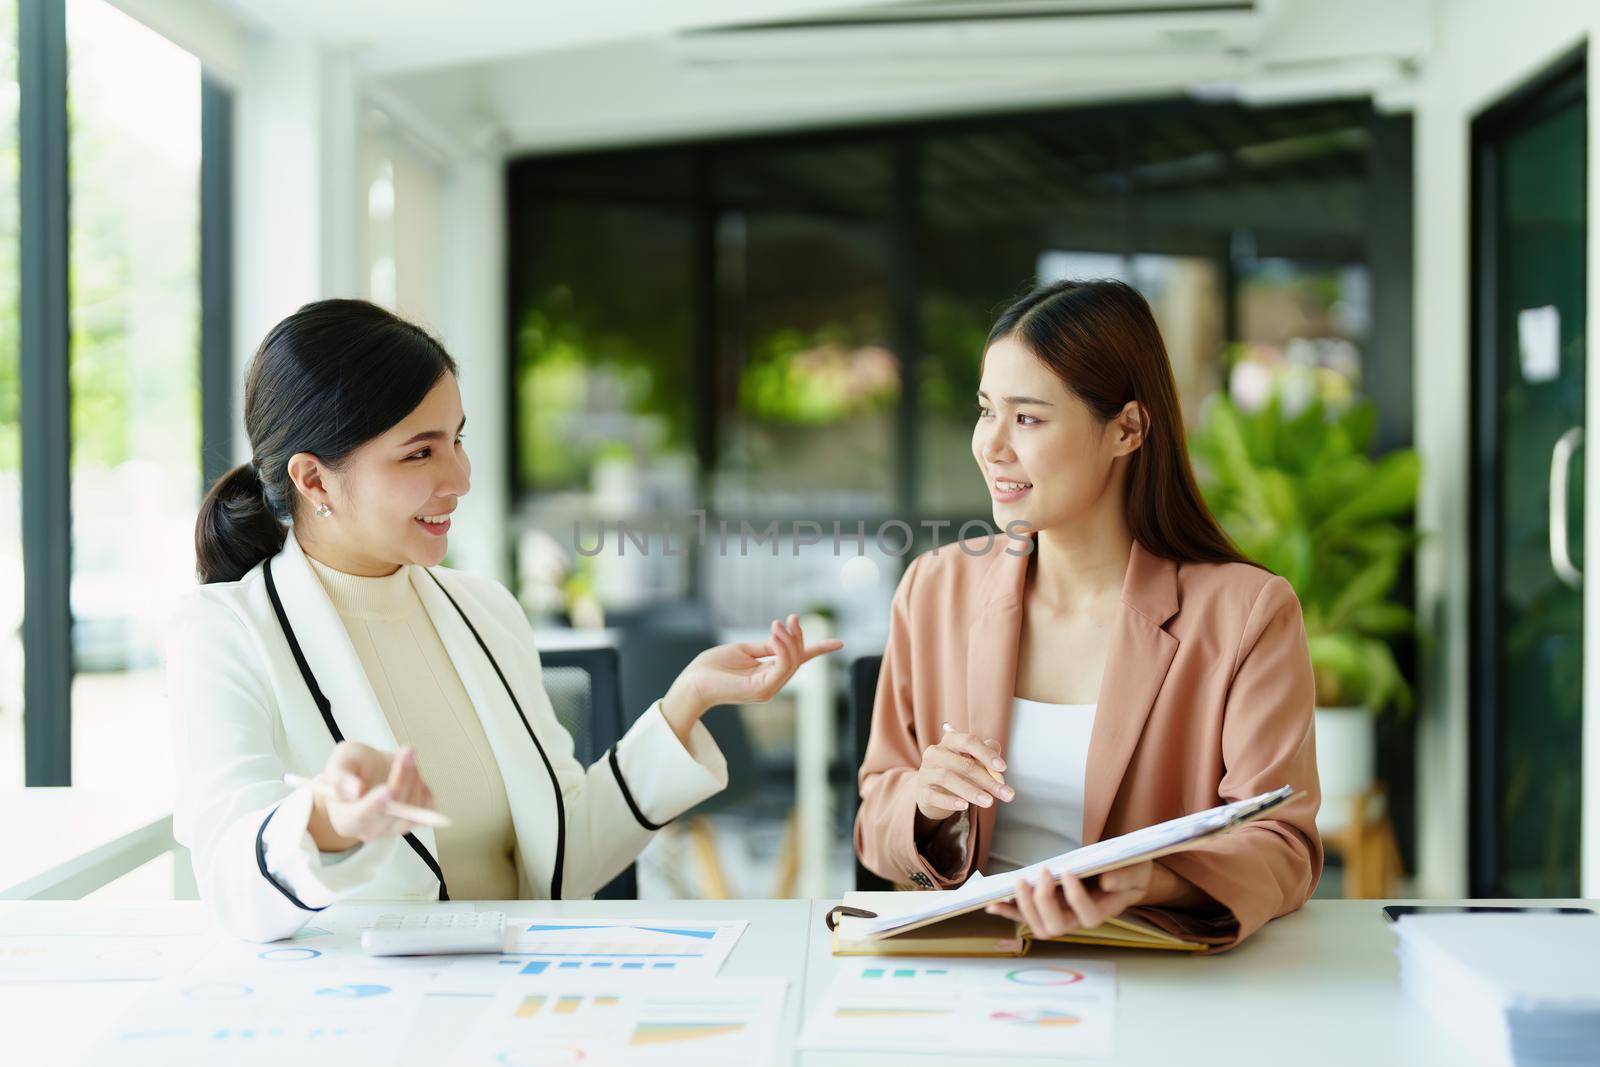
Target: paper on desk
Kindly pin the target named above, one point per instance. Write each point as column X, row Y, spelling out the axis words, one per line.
column 1025, row 1007
column 334, row 932
column 332, row 940
column 978, row 890
column 317, row 949
column 621, row 1023
column 542, row 946
column 243, row 1016
column 68, row 944
column 1514, row 988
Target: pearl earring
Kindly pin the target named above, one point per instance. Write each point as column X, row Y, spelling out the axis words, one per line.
column 324, row 510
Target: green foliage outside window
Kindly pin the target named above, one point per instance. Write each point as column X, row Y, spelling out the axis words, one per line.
column 572, row 376
column 818, row 378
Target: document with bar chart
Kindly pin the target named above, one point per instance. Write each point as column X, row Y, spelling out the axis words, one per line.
column 568, row 947
column 626, row 1022
column 1028, row 1007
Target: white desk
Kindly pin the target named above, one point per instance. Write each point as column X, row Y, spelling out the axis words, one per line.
column 1317, row 987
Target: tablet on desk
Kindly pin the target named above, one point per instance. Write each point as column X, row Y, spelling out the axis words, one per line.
column 1394, row 912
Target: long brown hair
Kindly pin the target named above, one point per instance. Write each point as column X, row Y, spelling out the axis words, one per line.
column 1100, row 338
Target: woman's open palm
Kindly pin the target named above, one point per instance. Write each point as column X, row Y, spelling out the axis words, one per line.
column 751, row 672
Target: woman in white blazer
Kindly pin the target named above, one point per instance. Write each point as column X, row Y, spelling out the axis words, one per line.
column 355, row 420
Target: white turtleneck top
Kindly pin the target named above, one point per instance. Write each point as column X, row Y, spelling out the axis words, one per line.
column 427, row 707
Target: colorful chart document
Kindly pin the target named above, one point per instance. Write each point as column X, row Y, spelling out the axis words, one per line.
column 245, row 1017
column 624, row 1022
column 1027, row 1007
column 700, row 945
column 602, row 948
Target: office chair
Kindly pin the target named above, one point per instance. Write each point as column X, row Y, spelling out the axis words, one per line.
column 585, row 689
column 863, row 692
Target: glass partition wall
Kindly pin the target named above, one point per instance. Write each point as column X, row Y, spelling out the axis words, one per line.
column 788, row 328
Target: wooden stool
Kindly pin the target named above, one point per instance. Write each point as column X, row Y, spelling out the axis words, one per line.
column 1367, row 846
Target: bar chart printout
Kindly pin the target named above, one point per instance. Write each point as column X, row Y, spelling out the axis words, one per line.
column 667, row 947
column 626, row 1022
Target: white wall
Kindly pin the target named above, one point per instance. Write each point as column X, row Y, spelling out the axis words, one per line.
column 1482, row 50
column 300, row 217
column 295, row 189
column 472, row 323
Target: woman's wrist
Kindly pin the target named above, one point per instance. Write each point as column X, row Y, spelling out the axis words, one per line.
column 1170, row 890
column 322, row 832
column 682, row 709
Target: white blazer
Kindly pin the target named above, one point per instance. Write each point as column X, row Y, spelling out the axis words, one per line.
column 243, row 715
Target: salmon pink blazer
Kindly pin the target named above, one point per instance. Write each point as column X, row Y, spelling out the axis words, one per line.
column 1207, row 697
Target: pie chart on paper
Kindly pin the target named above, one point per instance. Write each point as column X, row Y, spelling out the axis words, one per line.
column 354, row 991
column 288, row 954
column 1044, row 976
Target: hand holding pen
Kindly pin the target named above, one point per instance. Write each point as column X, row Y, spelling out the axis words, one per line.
column 363, row 794
column 958, row 772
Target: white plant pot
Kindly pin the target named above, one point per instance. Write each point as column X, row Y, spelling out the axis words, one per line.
column 1346, row 758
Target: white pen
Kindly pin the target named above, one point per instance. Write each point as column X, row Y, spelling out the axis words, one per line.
column 408, row 812
column 992, row 772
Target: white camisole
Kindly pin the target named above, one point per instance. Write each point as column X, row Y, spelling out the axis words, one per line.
column 1046, row 762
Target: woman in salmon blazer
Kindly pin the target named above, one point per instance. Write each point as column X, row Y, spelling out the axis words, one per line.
column 1110, row 656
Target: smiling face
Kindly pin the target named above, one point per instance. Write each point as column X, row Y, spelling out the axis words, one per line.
column 391, row 498
column 1045, row 456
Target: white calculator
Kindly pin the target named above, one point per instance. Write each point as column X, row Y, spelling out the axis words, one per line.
column 423, row 933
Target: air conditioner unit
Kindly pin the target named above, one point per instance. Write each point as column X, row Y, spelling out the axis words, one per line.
column 957, row 33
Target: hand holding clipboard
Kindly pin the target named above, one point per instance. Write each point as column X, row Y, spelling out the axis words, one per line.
column 1150, row 843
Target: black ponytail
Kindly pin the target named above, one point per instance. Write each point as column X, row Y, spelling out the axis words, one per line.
column 325, row 380
column 236, row 529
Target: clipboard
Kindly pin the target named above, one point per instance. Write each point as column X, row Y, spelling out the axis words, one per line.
column 1152, row 842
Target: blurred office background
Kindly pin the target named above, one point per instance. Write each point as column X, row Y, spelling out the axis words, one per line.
column 708, row 263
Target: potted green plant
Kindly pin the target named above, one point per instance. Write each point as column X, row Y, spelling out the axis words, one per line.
column 1293, row 483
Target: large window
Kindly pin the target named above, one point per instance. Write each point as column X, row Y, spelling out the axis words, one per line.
column 807, row 377
column 790, row 328
column 134, row 250
column 11, row 591
column 112, row 146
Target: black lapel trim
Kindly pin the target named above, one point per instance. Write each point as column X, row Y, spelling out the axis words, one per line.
column 555, row 783
column 627, row 794
column 300, row 657
column 261, row 862
column 326, row 707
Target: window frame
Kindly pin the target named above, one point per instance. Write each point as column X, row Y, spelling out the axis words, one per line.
column 45, row 314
